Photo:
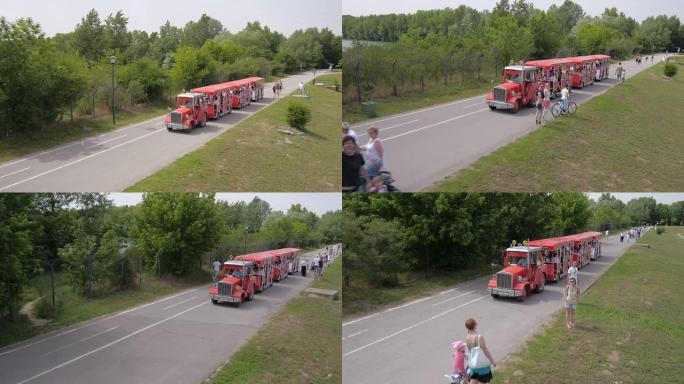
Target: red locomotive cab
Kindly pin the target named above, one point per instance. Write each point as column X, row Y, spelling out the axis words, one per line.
column 237, row 284
column 190, row 112
column 524, row 272
column 517, row 88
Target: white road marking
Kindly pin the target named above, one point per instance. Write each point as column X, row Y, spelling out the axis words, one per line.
column 173, row 305
column 15, row 172
column 407, row 304
column 106, row 141
column 434, row 125
column 81, row 159
column 357, row 333
column 361, row 319
column 109, row 344
column 391, row 127
column 472, row 105
column 82, row 340
column 447, row 291
column 452, row 298
column 411, row 327
column 96, row 321
column 419, row 111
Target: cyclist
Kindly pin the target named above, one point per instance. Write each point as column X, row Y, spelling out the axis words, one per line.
column 564, row 99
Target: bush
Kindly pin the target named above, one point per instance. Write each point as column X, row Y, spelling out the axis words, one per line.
column 42, row 309
column 298, row 115
column 660, row 230
column 670, row 70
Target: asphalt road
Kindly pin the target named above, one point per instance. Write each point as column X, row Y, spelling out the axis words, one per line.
column 424, row 146
column 118, row 159
column 179, row 339
column 411, row 343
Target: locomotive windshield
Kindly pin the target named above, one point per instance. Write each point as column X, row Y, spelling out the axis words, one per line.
column 520, row 260
column 513, row 77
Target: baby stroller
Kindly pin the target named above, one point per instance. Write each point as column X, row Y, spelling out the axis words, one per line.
column 456, row 378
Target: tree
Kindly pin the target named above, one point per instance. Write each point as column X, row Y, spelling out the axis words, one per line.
column 568, row 15
column 641, row 211
column 15, row 250
column 546, row 34
column 116, row 36
column 173, row 230
column 89, row 37
column 197, row 32
column 193, row 67
column 148, row 74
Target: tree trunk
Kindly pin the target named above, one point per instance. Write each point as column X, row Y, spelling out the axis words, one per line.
column 358, row 82
column 394, row 80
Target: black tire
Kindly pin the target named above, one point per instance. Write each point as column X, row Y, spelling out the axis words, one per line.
column 169, row 129
column 524, row 296
column 495, row 296
column 214, row 301
column 493, row 108
column 572, row 108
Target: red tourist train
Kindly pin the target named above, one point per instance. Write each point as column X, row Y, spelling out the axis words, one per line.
column 520, row 82
column 529, row 267
column 193, row 109
column 246, row 275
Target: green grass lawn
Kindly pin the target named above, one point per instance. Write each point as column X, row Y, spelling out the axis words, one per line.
column 628, row 139
column 362, row 298
column 255, row 156
column 630, row 325
column 65, row 132
column 73, row 308
column 433, row 96
column 301, row 344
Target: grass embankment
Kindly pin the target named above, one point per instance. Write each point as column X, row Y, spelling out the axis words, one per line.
column 628, row 139
column 66, row 132
column 416, row 100
column 630, row 325
column 301, row 344
column 73, row 308
column 255, row 156
column 363, row 298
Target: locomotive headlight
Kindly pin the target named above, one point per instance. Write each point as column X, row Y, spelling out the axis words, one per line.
column 520, row 279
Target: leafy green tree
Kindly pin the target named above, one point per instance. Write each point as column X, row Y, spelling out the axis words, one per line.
column 197, row 32
column 116, row 36
column 173, row 230
column 15, row 250
column 89, row 37
column 641, row 211
column 149, row 75
column 545, row 31
column 193, row 67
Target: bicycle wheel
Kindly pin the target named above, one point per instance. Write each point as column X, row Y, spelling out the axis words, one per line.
column 556, row 109
column 572, row 108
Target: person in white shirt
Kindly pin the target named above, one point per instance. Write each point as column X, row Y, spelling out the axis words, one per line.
column 564, row 99
column 572, row 271
column 216, row 269
column 347, row 131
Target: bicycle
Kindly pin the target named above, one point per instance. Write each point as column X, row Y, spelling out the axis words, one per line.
column 557, row 109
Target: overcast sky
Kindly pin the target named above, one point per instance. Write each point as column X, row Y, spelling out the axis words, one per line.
column 283, row 16
column 319, row 203
column 637, row 9
column 665, row 198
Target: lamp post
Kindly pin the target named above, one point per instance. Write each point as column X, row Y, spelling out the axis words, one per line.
column 112, row 60
column 244, row 250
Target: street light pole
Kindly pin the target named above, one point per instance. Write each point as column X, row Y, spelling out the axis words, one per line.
column 113, row 61
column 244, row 250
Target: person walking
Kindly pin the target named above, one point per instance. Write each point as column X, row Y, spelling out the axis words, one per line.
column 571, row 295
column 216, row 269
column 374, row 153
column 459, row 371
column 303, row 266
column 479, row 369
column 353, row 167
column 622, row 237
column 618, row 72
column 539, row 105
column 547, row 100
column 572, row 271
column 624, row 75
column 347, row 131
column 275, row 90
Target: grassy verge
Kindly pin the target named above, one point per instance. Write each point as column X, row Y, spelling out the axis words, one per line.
column 301, row 344
column 66, row 132
column 628, row 139
column 73, row 309
column 362, row 298
column 254, row 156
column 433, row 96
column 630, row 325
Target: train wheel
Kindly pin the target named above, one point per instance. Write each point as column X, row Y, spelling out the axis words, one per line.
column 214, row 301
column 524, row 295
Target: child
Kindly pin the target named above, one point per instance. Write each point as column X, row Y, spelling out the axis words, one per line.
column 459, row 361
column 378, row 185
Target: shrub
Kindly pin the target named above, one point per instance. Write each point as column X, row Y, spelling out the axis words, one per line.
column 670, row 70
column 298, row 115
column 660, row 230
column 42, row 309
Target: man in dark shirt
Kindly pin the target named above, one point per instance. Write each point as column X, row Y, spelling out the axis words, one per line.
column 352, row 166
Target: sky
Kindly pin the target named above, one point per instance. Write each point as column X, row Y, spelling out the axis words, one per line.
column 637, row 9
column 57, row 16
column 665, row 198
column 319, row 203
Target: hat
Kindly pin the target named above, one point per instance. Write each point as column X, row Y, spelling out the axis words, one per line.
column 458, row 344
